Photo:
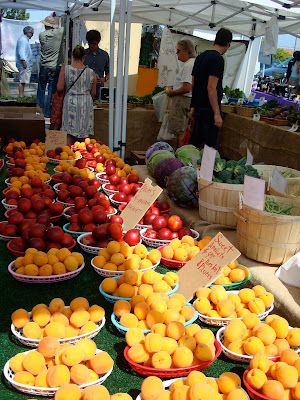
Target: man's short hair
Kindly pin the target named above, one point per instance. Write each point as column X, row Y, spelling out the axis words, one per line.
column 93, row 36
column 189, row 46
column 223, row 37
column 27, row 29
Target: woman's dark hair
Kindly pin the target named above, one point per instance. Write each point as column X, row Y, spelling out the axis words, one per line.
column 78, row 52
column 296, row 55
column 223, row 37
column 93, row 36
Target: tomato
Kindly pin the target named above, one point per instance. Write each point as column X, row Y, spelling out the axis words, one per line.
column 174, row 223
column 115, row 231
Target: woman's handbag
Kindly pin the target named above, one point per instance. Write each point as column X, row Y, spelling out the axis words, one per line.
column 57, row 104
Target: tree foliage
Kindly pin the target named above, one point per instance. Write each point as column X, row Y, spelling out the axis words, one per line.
column 282, row 55
column 14, row 13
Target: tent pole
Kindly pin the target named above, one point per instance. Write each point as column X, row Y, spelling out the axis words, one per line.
column 67, row 38
column 111, row 74
column 248, row 63
column 119, row 83
column 126, row 67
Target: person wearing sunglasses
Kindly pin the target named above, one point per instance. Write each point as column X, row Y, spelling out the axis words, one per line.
column 208, row 92
column 181, row 92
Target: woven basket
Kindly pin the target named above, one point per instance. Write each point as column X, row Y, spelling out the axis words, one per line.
column 245, row 111
column 292, row 184
column 267, row 237
column 227, row 108
column 276, row 122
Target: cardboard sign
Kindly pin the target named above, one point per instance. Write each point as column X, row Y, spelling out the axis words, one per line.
column 278, row 181
column 240, row 100
column 208, row 163
column 294, row 128
column 139, row 204
column 261, row 101
column 256, row 117
column 249, row 157
column 254, row 192
column 251, row 97
column 206, row 266
column 55, row 139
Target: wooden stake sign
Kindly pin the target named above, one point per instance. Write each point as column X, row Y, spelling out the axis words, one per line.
column 139, row 204
column 206, row 266
column 55, row 139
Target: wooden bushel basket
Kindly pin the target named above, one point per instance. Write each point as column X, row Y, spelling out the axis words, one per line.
column 218, row 201
column 267, row 237
column 266, row 172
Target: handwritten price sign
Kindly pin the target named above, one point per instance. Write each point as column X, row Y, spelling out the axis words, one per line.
column 55, row 139
column 206, row 266
column 139, row 204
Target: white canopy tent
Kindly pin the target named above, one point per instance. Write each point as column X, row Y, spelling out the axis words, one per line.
column 248, row 18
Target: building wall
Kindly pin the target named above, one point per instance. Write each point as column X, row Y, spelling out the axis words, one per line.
column 134, row 53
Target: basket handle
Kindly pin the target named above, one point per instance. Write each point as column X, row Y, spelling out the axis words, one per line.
column 238, row 216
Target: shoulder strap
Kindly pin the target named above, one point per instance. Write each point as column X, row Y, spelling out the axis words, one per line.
column 76, row 80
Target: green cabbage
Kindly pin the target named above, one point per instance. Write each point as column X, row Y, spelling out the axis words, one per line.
column 156, row 157
column 184, row 153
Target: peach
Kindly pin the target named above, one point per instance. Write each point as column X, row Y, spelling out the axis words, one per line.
column 88, row 346
column 233, row 331
column 267, row 298
column 228, row 381
column 151, row 388
column 201, row 391
column 195, row 377
column 134, row 336
column 15, row 363
column 79, row 317
column 235, row 299
column 141, row 310
column 177, row 383
column 260, row 361
column 101, row 363
column 38, row 306
column 253, row 345
column 161, row 286
column 121, row 396
column 297, row 365
column 171, row 278
column 72, row 355
column 137, row 299
column 237, row 394
column 203, row 292
column 80, row 374
column 159, row 305
column 250, row 320
column 204, row 336
column 33, row 362
column 181, row 393
column 169, row 345
column 175, row 330
column 271, row 350
column 274, row 368
column 109, row 285
column 32, row 330
column 153, row 342
column 202, row 305
column 171, row 315
column 95, row 392
column 71, row 332
column 20, row 318
column 182, row 357
column 161, row 360
column 287, row 375
column 281, row 344
column 217, row 294
column 96, row 313
column 258, row 290
column 58, row 376
column 236, row 346
column 60, row 317
column 56, row 305
column 225, row 308
column 187, row 341
column 68, row 391
column 192, row 329
column 246, row 295
column 55, row 329
column 129, row 320
column 237, row 275
column 266, row 334
column 41, row 316
column 293, row 337
column 296, row 392
column 273, row 389
column 154, row 317
column 289, row 356
column 280, row 326
column 138, row 353
column 24, row 377
column 256, row 378
column 205, row 351
column 121, row 307
column 48, row 346
column 79, row 302
column 41, row 379
column 174, row 304
column 256, row 306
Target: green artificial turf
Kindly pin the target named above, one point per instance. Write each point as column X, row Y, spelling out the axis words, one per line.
column 15, row 294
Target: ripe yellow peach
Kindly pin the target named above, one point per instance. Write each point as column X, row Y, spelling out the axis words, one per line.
column 56, row 305
column 154, row 256
column 87, row 328
column 203, row 292
column 289, row 356
column 205, row 351
column 201, row 391
column 153, row 342
column 33, row 362
column 152, row 388
column 267, row 298
column 225, row 308
column 175, row 330
column 96, row 313
column 271, row 350
column 266, row 334
column 253, row 345
column 228, row 381
column 32, row 330
column 109, row 285
column 296, row 392
column 154, row 317
column 24, row 377
column 169, row 345
column 260, row 361
column 79, row 317
column 237, row 275
column 20, row 318
column 195, row 377
column 171, row 278
column 281, row 344
column 15, row 363
column 68, row 391
column 161, row 286
column 256, row 378
column 188, row 312
column 256, row 306
column 138, row 353
column 281, row 327
column 287, row 375
column 80, row 374
column 237, row 394
column 246, row 295
column 258, row 290
column 79, row 302
column 233, row 331
column 202, row 305
column 250, row 320
column 58, row 375
column 192, row 329
column 204, row 336
column 158, row 305
column 121, row 307
column 293, row 337
column 217, row 294
column 129, row 320
column 141, row 310
column 41, row 316
column 187, row 341
column 161, row 360
column 182, row 357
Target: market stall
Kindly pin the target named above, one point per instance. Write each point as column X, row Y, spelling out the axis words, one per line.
column 284, row 102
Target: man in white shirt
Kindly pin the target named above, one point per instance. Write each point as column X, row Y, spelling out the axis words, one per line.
column 181, row 92
column 24, row 58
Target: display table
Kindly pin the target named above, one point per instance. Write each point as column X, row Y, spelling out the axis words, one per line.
column 281, row 100
column 267, row 143
column 287, row 298
column 142, row 128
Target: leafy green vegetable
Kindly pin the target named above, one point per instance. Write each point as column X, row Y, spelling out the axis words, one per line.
column 277, row 208
column 239, row 170
column 158, row 89
column 242, row 161
column 235, row 93
column 133, row 99
column 224, row 175
column 220, row 164
column 287, row 173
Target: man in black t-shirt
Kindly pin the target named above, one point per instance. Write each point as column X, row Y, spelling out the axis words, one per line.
column 207, row 91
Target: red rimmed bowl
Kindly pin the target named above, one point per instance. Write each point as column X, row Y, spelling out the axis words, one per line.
column 171, row 263
column 171, row 373
column 22, row 253
column 253, row 393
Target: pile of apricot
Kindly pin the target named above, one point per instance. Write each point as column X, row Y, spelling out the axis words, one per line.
column 71, row 167
column 65, row 154
column 215, row 302
column 133, row 282
column 170, row 345
column 93, row 392
column 276, row 380
column 157, row 308
column 58, row 321
column 54, row 262
column 184, row 249
column 53, row 365
column 195, row 386
column 250, row 336
column 119, row 256
column 233, row 273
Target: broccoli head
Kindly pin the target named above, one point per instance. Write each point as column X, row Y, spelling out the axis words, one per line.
column 219, row 165
column 238, row 170
column 217, row 180
column 239, row 179
column 242, row 161
column 224, row 175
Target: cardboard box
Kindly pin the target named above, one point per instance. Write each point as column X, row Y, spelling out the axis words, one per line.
column 137, row 158
column 22, row 126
